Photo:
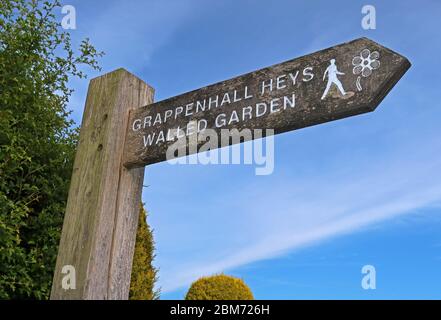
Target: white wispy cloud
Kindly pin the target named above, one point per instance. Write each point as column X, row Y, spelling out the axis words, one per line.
column 272, row 220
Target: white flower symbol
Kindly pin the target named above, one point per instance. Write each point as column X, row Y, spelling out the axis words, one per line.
column 364, row 64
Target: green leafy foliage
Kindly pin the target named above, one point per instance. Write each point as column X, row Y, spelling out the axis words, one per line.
column 219, row 287
column 37, row 141
column 144, row 274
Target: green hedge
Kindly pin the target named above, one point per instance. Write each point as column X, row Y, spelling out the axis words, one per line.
column 37, row 141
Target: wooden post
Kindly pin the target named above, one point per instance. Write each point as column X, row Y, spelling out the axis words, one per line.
column 101, row 217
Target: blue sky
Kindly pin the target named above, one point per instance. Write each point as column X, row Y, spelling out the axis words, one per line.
column 364, row 190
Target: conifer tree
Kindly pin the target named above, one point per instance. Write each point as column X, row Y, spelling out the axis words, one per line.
column 144, row 274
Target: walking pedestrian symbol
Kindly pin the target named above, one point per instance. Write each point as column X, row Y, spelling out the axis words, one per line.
column 332, row 73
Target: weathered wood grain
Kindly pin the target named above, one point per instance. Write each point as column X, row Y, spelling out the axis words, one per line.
column 310, row 109
column 102, row 210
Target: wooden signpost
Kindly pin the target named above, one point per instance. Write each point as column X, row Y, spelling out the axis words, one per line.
column 123, row 131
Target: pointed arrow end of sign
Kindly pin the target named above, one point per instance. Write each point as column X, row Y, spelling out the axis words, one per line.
column 393, row 67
